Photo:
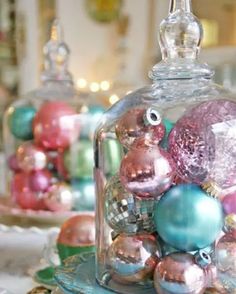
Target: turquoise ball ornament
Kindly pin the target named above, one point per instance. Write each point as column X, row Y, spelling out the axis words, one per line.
column 187, row 218
column 84, row 194
column 20, row 122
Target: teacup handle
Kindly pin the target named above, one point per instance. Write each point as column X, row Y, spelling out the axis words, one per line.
column 50, row 252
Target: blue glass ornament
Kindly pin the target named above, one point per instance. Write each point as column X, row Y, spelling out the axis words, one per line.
column 187, row 218
column 20, row 122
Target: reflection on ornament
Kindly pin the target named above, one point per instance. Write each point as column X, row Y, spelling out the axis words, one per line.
column 40, row 180
column 225, row 256
column 183, row 220
column 140, row 122
column 84, row 194
column 78, row 231
column 133, row 258
column 55, row 125
column 31, row 157
column 113, row 155
column 78, row 160
column 20, row 122
column 168, row 126
column 59, row 197
column 124, row 212
column 230, row 223
column 147, row 171
column 178, row 273
column 229, row 203
column 22, row 193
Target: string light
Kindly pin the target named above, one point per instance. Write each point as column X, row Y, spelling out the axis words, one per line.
column 105, row 85
column 113, row 99
column 94, row 87
column 81, row 83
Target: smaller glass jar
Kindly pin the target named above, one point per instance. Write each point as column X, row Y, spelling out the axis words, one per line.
column 161, row 215
column 48, row 139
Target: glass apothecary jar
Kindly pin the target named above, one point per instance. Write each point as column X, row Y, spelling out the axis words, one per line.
column 48, row 139
column 166, row 218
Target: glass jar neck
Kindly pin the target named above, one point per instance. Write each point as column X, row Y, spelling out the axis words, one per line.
column 180, row 5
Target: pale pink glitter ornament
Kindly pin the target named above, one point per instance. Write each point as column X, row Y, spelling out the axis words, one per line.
column 202, row 143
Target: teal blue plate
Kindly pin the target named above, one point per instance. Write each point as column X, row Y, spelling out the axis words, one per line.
column 77, row 275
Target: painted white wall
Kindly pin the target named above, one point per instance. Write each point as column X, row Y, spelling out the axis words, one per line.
column 29, row 64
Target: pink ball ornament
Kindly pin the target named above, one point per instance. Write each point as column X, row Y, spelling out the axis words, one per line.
column 40, row 180
column 55, row 125
column 202, row 143
column 31, row 157
column 147, row 171
column 13, row 163
column 78, row 231
column 59, row 197
column 178, row 273
column 22, row 193
column 140, row 122
column 229, row 203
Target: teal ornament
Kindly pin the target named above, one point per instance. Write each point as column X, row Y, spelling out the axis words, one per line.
column 169, row 126
column 187, row 218
column 20, row 122
column 84, row 195
column 78, row 160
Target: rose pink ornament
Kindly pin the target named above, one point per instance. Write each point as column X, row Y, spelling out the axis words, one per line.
column 229, row 203
column 59, row 197
column 31, row 157
column 132, row 259
column 140, row 122
column 147, row 170
column 40, row 180
column 78, row 231
column 22, row 193
column 55, row 125
column 13, row 163
column 178, row 273
column 202, row 143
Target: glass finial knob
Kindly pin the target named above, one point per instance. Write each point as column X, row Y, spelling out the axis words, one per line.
column 56, row 54
column 181, row 32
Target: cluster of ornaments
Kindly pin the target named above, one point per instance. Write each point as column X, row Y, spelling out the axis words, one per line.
column 53, row 163
column 172, row 204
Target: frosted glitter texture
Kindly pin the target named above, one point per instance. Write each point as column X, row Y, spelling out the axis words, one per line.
column 202, row 143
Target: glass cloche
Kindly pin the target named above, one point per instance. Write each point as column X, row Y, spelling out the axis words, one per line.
column 48, row 139
column 166, row 217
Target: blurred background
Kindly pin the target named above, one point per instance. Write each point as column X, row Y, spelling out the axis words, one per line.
column 113, row 42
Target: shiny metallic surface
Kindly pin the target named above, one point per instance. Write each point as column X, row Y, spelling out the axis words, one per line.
column 178, row 273
column 139, row 123
column 126, row 213
column 183, row 220
column 59, row 197
column 147, row 171
column 78, row 231
column 31, row 157
column 132, row 259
